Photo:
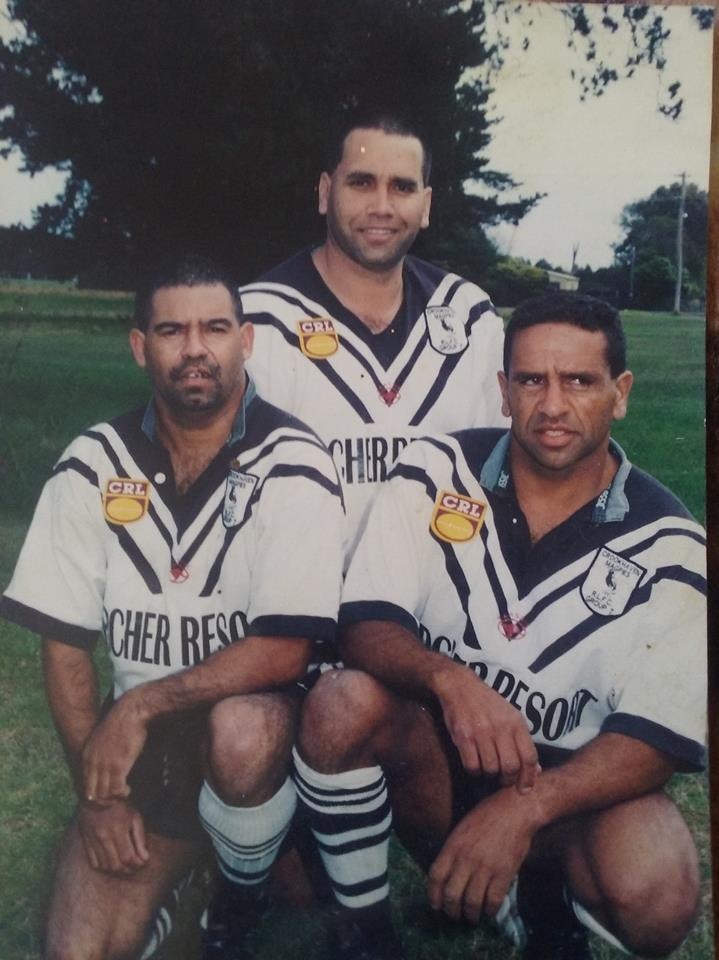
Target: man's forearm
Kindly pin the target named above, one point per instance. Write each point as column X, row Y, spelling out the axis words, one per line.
column 395, row 656
column 72, row 693
column 610, row 769
column 251, row 665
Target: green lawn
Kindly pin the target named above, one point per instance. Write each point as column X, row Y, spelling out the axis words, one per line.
column 64, row 364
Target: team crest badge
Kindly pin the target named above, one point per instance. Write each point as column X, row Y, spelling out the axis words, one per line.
column 610, row 582
column 456, row 518
column 318, row 337
column 125, row 500
column 238, row 491
column 445, row 329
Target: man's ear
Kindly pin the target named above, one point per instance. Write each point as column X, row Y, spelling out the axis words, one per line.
column 623, row 386
column 247, row 332
column 137, row 345
column 427, row 205
column 323, row 192
column 504, row 390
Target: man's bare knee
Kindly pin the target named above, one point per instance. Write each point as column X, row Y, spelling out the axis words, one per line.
column 249, row 739
column 340, row 716
column 645, row 867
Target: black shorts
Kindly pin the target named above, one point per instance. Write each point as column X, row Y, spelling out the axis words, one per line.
column 470, row 789
column 167, row 777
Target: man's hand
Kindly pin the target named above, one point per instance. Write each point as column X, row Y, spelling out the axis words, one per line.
column 482, row 855
column 111, row 750
column 490, row 734
column 114, row 837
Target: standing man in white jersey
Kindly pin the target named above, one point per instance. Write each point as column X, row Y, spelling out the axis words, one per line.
column 520, row 597
column 366, row 344
column 202, row 536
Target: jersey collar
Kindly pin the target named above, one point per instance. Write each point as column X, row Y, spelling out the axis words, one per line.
column 239, row 424
column 610, row 506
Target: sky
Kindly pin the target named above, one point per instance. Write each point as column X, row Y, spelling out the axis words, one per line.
column 591, row 158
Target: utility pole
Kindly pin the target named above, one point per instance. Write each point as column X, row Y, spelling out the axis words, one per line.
column 680, row 246
column 575, row 251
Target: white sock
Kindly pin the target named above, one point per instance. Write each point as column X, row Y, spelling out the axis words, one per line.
column 350, row 817
column 247, row 839
column 585, row 917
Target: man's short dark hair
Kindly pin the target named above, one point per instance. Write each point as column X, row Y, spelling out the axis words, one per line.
column 577, row 310
column 185, row 270
column 387, row 122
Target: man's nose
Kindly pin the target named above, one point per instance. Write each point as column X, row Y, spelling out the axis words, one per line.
column 194, row 344
column 553, row 402
column 381, row 201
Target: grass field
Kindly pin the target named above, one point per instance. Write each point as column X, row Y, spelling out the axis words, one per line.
column 64, row 364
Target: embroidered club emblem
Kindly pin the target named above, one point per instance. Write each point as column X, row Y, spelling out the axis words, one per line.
column 318, row 337
column 125, row 500
column 456, row 518
column 445, row 329
column 610, row 582
column 390, row 395
column 238, row 491
column 513, row 628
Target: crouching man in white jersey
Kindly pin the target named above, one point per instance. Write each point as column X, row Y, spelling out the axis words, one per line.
column 368, row 345
column 202, row 536
column 528, row 609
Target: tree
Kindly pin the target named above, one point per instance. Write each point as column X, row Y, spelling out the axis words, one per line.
column 185, row 123
column 512, row 280
column 650, row 229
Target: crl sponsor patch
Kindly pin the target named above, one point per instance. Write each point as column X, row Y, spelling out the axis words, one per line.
column 610, row 582
column 457, row 518
column 238, row 491
column 318, row 337
column 125, row 500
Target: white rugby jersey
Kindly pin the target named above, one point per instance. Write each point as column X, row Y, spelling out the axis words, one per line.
column 599, row 626
column 433, row 370
column 254, row 547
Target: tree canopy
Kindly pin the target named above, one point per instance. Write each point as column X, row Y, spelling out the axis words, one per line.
column 649, row 245
column 188, row 124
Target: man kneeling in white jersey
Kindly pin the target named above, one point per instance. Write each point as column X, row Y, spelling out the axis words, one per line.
column 202, row 535
column 519, row 604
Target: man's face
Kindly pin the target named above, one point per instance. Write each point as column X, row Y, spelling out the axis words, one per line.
column 194, row 348
column 375, row 200
column 561, row 396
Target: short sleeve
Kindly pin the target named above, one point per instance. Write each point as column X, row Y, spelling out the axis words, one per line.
column 58, row 583
column 297, row 568
column 661, row 696
column 386, row 579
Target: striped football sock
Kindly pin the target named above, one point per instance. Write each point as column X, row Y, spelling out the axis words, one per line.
column 247, row 839
column 350, row 817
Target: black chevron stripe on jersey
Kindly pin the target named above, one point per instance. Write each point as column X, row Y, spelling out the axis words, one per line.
column 77, row 466
column 665, row 532
column 324, row 367
column 309, row 473
column 264, row 451
column 134, row 554
column 215, row 570
column 445, row 371
column 122, row 473
column 201, row 536
column 136, row 557
column 454, row 569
